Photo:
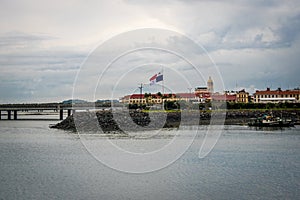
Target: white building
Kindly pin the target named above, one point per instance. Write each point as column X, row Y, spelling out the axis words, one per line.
column 276, row 96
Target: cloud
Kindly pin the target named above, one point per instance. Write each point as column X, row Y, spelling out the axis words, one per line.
column 17, row 37
column 32, row 71
column 231, row 24
column 43, row 44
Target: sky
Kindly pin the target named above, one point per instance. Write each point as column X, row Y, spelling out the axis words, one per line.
column 46, row 45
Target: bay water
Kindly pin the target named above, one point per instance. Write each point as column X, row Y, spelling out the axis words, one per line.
column 246, row 163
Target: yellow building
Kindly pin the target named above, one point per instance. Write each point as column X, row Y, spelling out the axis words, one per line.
column 242, row 96
column 148, row 99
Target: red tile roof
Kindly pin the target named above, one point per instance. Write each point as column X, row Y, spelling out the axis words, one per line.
column 224, row 97
column 203, row 95
column 186, row 95
column 141, row 96
column 277, row 92
column 137, row 96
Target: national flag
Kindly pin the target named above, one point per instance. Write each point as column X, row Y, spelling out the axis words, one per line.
column 153, row 79
column 159, row 77
column 156, row 78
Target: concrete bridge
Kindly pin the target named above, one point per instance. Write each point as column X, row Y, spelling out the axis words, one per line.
column 12, row 113
column 12, row 110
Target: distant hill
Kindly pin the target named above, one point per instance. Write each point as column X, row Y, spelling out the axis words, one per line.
column 73, row 101
column 80, row 101
column 107, row 101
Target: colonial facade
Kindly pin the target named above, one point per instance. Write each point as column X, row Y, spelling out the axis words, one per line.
column 158, row 99
column 276, row 96
column 242, row 96
column 202, row 94
column 206, row 93
column 148, row 99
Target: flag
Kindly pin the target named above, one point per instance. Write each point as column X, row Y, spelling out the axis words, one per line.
column 159, row 77
column 156, row 78
column 153, row 79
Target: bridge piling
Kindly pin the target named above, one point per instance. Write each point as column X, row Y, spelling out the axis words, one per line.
column 61, row 114
column 9, row 114
column 69, row 112
column 15, row 114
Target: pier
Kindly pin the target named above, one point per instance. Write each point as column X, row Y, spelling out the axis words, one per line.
column 12, row 111
column 58, row 110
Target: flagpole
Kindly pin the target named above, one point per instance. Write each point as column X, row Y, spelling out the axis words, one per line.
column 163, row 87
column 163, row 82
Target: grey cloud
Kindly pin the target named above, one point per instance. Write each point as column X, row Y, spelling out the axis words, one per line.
column 252, row 42
column 18, row 36
column 234, row 24
column 284, row 36
column 32, row 72
column 13, row 41
column 290, row 30
column 36, row 86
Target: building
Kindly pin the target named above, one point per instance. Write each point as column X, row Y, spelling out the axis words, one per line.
column 223, row 97
column 189, row 97
column 202, row 94
column 276, row 96
column 158, row 99
column 242, row 96
column 232, row 96
column 199, row 90
column 148, row 98
column 133, row 99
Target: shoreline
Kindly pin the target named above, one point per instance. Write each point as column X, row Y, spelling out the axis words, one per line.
column 86, row 121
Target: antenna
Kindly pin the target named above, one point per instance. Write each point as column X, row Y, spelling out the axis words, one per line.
column 141, row 93
column 163, row 82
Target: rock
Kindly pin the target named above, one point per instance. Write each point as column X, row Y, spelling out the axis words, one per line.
column 91, row 121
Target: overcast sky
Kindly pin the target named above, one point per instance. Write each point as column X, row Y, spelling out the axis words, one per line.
column 254, row 44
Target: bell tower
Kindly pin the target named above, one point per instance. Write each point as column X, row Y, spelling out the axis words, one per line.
column 210, row 85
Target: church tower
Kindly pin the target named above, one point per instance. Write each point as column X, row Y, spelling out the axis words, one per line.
column 210, row 85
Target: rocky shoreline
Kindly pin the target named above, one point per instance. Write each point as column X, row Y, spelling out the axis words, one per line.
column 121, row 121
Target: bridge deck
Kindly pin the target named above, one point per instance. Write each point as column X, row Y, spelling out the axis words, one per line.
column 59, row 109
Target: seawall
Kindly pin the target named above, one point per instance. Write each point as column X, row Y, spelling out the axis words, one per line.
column 138, row 120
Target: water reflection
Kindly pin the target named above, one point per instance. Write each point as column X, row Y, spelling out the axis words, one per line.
column 270, row 129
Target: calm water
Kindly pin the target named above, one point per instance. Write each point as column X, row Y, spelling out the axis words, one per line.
column 41, row 163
